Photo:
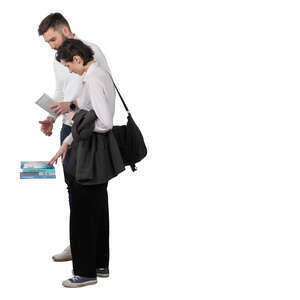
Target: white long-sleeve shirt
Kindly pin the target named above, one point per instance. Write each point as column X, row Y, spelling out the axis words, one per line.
column 98, row 93
column 69, row 85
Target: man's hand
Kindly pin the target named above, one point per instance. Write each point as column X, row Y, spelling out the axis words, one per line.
column 47, row 126
column 61, row 152
column 61, row 107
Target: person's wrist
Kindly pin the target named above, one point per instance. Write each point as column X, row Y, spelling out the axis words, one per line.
column 72, row 106
column 50, row 119
column 65, row 145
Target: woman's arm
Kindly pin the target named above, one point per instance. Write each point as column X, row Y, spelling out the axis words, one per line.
column 62, row 151
column 68, row 140
column 99, row 103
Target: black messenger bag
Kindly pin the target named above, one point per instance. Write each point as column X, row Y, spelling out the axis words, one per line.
column 129, row 138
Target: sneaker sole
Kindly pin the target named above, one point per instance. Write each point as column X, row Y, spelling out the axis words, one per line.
column 103, row 275
column 97, row 275
column 60, row 259
column 77, row 285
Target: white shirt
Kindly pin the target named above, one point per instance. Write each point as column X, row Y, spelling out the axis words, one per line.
column 98, row 93
column 69, row 85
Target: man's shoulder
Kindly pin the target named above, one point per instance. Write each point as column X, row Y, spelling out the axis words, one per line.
column 92, row 45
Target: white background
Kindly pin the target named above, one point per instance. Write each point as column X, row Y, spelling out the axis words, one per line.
column 213, row 211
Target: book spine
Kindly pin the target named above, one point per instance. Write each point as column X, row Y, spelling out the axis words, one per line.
column 36, row 174
column 38, row 177
column 38, row 170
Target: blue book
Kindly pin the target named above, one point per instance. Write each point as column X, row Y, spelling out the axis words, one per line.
column 38, row 177
column 36, row 165
column 32, row 176
column 49, row 171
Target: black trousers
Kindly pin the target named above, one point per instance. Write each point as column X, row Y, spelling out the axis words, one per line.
column 89, row 228
column 64, row 132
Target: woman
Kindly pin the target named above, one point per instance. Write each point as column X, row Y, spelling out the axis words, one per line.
column 94, row 159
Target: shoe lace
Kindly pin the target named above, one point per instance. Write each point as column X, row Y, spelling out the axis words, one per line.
column 76, row 278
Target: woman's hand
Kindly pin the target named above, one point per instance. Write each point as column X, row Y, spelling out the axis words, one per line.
column 61, row 152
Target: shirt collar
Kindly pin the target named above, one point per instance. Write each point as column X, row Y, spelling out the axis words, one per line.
column 89, row 71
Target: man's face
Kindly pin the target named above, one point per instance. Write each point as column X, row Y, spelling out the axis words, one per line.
column 54, row 38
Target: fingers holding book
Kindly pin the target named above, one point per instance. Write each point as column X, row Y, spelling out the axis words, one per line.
column 60, row 107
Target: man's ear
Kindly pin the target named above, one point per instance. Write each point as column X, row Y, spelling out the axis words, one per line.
column 65, row 30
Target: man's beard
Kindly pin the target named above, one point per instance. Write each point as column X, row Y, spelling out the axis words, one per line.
column 63, row 38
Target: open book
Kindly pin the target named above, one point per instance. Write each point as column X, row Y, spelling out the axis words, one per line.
column 44, row 102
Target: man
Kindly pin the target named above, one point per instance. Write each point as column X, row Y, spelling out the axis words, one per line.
column 55, row 30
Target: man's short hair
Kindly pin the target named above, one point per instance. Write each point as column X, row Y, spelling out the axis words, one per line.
column 73, row 47
column 54, row 21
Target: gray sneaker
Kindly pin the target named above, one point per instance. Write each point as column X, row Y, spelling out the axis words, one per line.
column 102, row 272
column 63, row 256
column 79, row 281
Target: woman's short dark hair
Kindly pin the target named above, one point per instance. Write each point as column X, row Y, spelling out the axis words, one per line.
column 53, row 21
column 72, row 47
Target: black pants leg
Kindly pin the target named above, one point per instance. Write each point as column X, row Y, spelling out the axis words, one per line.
column 89, row 228
column 64, row 132
column 102, row 243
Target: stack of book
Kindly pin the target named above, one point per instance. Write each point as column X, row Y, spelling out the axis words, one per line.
column 36, row 170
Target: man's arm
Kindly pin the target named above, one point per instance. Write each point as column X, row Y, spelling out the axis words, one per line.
column 61, row 107
column 59, row 93
column 47, row 124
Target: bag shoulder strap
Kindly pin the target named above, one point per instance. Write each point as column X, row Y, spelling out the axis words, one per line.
column 124, row 104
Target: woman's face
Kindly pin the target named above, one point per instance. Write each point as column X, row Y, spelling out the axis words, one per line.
column 75, row 66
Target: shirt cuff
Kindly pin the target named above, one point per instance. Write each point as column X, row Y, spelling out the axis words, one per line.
column 54, row 117
column 69, row 139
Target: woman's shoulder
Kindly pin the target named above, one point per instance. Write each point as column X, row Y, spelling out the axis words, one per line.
column 97, row 72
column 98, row 77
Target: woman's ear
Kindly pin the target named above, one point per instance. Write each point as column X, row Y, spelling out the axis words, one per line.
column 77, row 59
